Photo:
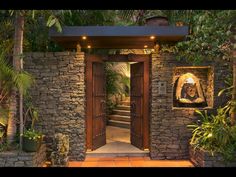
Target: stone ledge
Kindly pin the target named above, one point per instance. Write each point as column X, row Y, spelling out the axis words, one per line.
column 23, row 159
column 201, row 158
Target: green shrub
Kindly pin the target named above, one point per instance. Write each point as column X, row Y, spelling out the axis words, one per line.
column 32, row 134
column 213, row 133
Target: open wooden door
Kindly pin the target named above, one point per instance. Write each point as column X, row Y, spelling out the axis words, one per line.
column 136, row 98
column 96, row 96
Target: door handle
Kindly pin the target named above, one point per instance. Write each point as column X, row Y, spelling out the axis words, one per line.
column 103, row 105
column 133, row 107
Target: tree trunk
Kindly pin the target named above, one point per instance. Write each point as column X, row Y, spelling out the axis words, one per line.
column 233, row 115
column 11, row 128
column 18, row 65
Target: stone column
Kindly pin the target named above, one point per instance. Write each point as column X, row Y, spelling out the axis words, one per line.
column 59, row 96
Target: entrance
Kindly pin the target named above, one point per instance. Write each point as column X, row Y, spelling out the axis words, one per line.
column 96, row 99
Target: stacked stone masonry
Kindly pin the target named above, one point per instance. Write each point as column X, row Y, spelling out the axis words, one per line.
column 23, row 159
column 59, row 156
column 202, row 158
column 59, row 95
column 169, row 136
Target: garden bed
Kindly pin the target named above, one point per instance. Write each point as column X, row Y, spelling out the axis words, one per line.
column 23, row 159
column 201, row 158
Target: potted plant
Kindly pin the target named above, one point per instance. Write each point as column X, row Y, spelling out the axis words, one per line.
column 156, row 18
column 32, row 139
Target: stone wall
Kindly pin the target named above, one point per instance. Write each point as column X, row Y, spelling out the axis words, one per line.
column 59, row 95
column 169, row 136
column 202, row 158
column 23, row 159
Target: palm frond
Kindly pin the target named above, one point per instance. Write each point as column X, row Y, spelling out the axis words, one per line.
column 9, row 78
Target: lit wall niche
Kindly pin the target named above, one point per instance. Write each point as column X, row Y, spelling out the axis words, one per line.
column 193, row 87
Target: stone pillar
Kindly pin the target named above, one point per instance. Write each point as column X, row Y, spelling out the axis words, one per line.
column 59, row 96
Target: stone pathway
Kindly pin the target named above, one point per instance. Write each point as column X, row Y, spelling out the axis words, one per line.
column 129, row 162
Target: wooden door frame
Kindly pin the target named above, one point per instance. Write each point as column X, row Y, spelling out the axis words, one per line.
column 89, row 59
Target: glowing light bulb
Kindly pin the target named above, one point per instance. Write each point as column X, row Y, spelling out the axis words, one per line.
column 152, row 37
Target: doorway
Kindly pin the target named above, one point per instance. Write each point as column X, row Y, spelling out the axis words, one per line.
column 138, row 103
column 118, row 102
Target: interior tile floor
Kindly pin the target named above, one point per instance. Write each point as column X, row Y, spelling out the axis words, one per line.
column 114, row 134
column 116, row 148
column 118, row 144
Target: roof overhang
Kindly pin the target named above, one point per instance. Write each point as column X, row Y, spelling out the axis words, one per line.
column 117, row 37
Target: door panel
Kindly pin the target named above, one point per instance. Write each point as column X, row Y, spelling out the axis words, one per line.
column 140, row 125
column 99, row 110
column 136, row 96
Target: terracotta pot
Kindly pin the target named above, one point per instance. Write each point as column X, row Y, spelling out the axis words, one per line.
column 157, row 21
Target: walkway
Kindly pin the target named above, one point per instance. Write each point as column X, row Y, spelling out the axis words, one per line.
column 129, row 162
column 114, row 134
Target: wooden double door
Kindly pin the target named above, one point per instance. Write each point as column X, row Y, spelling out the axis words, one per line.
column 96, row 99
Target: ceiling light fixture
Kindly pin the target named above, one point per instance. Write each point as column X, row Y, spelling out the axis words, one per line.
column 152, row 37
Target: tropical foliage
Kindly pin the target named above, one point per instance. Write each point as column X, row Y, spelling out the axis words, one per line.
column 11, row 79
column 117, row 83
column 209, row 37
column 213, row 133
column 118, row 80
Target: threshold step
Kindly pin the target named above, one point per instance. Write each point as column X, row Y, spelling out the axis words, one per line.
column 143, row 154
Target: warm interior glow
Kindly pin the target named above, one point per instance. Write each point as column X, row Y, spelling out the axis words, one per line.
column 145, row 46
column 89, row 46
column 84, row 37
column 152, row 37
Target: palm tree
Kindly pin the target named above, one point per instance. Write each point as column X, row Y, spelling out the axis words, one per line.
column 11, row 80
column 18, row 65
column 233, row 114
